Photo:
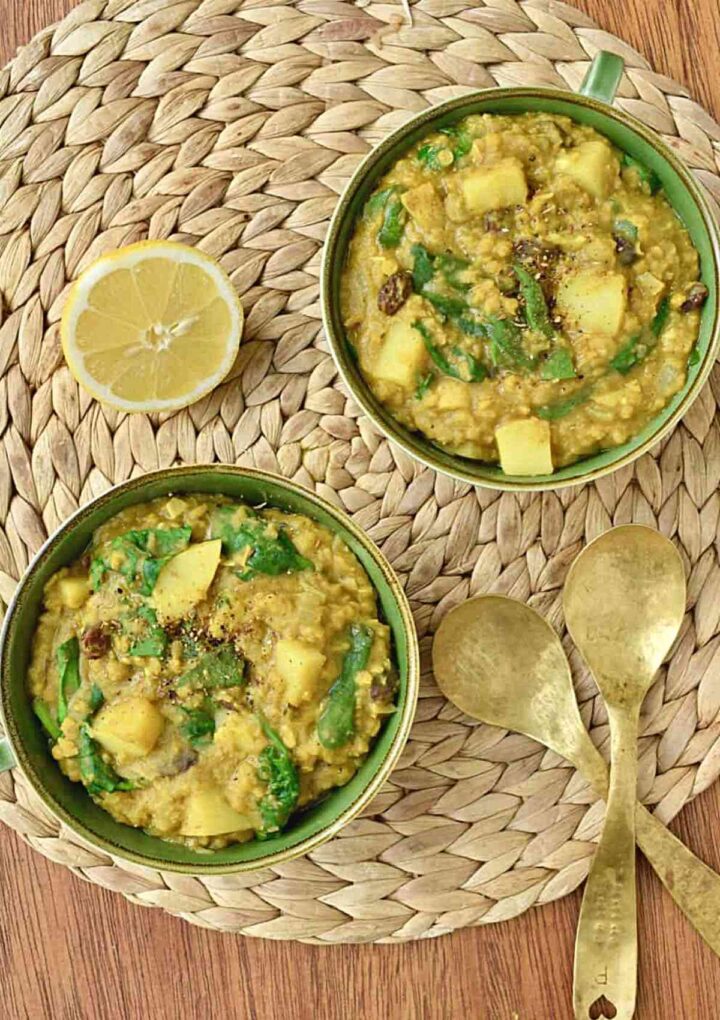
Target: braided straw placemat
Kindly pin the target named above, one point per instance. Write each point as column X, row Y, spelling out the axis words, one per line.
column 232, row 125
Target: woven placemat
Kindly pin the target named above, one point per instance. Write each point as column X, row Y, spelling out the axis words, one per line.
column 232, row 126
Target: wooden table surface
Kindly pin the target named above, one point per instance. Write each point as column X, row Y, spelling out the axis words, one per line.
column 71, row 951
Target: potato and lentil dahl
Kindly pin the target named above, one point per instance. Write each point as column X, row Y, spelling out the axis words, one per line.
column 207, row 668
column 519, row 290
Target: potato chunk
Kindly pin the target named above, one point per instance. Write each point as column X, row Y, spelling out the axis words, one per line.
column 592, row 165
column 593, row 302
column 425, row 207
column 207, row 813
column 494, row 187
column 73, row 591
column 299, row 666
column 401, row 356
column 185, row 579
column 524, row 447
column 129, row 727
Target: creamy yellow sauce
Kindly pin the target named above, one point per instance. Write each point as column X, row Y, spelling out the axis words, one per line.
column 183, row 668
column 462, row 239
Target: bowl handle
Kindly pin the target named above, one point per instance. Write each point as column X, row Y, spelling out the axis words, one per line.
column 603, row 77
column 7, row 758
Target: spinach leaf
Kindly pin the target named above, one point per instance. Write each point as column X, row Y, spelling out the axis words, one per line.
column 463, row 140
column 425, row 263
column 47, row 720
column 661, row 317
column 143, row 555
column 450, row 307
column 450, row 266
column 475, row 369
column 336, row 723
column 629, row 355
column 97, row 775
column 536, row 309
column 97, row 699
column 376, row 202
column 393, row 223
column 472, row 327
column 506, row 344
column 424, row 384
column 271, row 554
column 220, row 668
column 638, row 346
column 559, row 365
column 277, row 770
column 160, row 541
column 428, row 155
column 274, row 556
column 646, row 175
column 551, row 412
column 68, row 664
column 434, row 351
column 154, row 641
column 504, row 335
column 694, row 357
column 98, row 569
column 423, row 267
column 198, row 726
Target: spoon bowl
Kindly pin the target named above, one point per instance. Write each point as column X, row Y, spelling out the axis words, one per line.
column 500, row 661
column 624, row 602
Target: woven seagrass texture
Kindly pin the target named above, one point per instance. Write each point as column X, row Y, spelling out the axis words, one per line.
column 233, row 126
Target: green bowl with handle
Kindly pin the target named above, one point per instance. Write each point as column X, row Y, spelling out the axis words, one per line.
column 26, row 747
column 592, row 105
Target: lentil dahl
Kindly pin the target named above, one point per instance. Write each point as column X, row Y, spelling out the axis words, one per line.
column 551, row 282
column 210, row 668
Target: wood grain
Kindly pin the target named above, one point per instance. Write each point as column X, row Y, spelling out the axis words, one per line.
column 70, row 951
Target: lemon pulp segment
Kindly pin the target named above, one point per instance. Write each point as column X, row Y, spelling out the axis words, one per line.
column 153, row 326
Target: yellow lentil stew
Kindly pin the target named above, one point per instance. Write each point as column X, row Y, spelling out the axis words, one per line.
column 206, row 669
column 517, row 289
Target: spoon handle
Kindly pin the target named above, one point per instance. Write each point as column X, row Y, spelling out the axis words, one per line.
column 692, row 884
column 606, row 944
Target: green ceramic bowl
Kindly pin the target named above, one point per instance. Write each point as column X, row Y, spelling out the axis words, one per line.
column 27, row 747
column 591, row 106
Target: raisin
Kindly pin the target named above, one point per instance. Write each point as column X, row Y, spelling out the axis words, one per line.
column 95, row 642
column 696, row 298
column 394, row 292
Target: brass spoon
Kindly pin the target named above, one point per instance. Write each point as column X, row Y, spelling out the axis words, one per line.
column 501, row 662
column 624, row 602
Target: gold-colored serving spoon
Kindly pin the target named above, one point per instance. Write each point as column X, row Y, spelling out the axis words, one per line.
column 624, row 602
column 501, row 662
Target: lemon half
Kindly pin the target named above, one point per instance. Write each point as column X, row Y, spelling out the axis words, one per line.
column 151, row 327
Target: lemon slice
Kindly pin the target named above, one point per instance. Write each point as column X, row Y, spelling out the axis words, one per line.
column 151, row 327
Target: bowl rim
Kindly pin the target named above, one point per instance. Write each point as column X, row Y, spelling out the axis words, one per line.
column 412, row 442
column 368, row 792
